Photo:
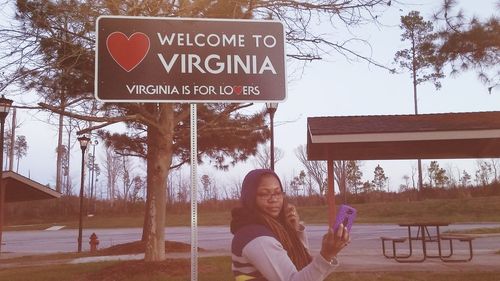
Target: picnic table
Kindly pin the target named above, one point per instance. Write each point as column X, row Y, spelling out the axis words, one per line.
column 426, row 233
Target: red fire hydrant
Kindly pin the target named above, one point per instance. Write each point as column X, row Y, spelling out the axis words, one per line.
column 93, row 243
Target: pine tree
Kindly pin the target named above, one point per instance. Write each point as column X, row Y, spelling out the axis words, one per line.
column 379, row 179
column 419, row 58
column 468, row 43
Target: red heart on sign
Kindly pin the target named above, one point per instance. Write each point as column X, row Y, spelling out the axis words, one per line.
column 128, row 52
column 237, row 89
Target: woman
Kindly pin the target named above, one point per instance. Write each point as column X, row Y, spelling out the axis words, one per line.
column 269, row 242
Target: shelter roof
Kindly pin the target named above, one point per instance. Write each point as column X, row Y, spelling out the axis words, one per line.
column 425, row 136
column 20, row 188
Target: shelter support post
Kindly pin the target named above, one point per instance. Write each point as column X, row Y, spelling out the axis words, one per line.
column 330, row 193
column 2, row 185
column 2, row 207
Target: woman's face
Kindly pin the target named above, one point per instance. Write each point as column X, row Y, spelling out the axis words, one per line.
column 269, row 196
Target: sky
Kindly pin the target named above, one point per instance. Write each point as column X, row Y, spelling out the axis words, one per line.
column 331, row 87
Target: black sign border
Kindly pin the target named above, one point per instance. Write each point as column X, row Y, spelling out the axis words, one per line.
column 187, row 100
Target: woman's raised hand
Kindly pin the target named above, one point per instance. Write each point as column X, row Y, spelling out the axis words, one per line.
column 292, row 216
column 333, row 243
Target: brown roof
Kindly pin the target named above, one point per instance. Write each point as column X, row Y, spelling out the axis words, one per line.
column 403, row 123
column 425, row 136
column 20, row 188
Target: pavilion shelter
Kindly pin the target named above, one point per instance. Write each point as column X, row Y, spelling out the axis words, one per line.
column 398, row 137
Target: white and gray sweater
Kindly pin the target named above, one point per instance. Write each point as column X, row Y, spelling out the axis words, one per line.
column 258, row 256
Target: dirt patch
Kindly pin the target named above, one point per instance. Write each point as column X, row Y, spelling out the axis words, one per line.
column 138, row 247
column 129, row 269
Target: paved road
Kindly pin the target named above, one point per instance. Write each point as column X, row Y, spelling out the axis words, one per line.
column 365, row 237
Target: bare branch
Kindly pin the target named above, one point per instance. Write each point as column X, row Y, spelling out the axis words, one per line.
column 108, row 120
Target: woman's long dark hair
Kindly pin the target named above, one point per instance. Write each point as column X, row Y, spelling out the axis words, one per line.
column 287, row 236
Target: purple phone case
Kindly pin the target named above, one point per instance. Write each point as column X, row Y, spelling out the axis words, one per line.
column 346, row 216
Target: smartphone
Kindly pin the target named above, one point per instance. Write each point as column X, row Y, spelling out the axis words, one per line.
column 346, row 216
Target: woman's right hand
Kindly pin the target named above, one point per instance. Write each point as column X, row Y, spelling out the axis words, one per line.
column 333, row 243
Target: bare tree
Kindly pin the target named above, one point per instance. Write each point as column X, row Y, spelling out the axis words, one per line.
column 138, row 184
column 225, row 194
column 495, row 166
column 452, row 180
column 126, row 171
column 406, row 185
column 483, row 172
column 316, row 169
column 112, row 168
column 309, row 185
column 263, row 156
column 236, row 187
column 183, row 188
column 170, row 194
column 413, row 173
column 340, row 171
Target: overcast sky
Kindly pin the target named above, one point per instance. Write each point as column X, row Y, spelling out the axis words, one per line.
column 332, row 87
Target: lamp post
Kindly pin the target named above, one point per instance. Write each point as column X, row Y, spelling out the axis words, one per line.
column 5, row 105
column 92, row 185
column 84, row 140
column 271, row 109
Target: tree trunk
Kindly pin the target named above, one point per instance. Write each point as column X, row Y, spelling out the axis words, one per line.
column 415, row 101
column 146, row 224
column 67, row 189
column 59, row 151
column 12, row 141
column 159, row 159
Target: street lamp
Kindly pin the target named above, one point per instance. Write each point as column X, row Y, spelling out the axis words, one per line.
column 4, row 111
column 271, row 109
column 84, row 140
column 92, row 185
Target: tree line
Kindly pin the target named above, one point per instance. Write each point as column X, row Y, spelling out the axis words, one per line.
column 311, row 179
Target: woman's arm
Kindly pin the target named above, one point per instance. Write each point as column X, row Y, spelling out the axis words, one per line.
column 271, row 260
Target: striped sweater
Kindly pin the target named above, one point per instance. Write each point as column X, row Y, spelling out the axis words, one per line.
column 258, row 256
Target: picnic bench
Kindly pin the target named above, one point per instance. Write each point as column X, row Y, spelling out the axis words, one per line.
column 427, row 232
column 458, row 238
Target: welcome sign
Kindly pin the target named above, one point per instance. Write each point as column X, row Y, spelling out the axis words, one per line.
column 144, row 59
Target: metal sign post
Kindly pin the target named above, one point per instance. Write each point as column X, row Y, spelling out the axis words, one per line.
column 194, row 194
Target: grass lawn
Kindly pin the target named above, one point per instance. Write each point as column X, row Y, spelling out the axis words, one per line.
column 415, row 276
column 488, row 230
column 50, row 272
column 452, row 210
column 478, row 209
column 209, row 269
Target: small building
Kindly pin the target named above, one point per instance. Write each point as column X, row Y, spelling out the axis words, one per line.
column 17, row 188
